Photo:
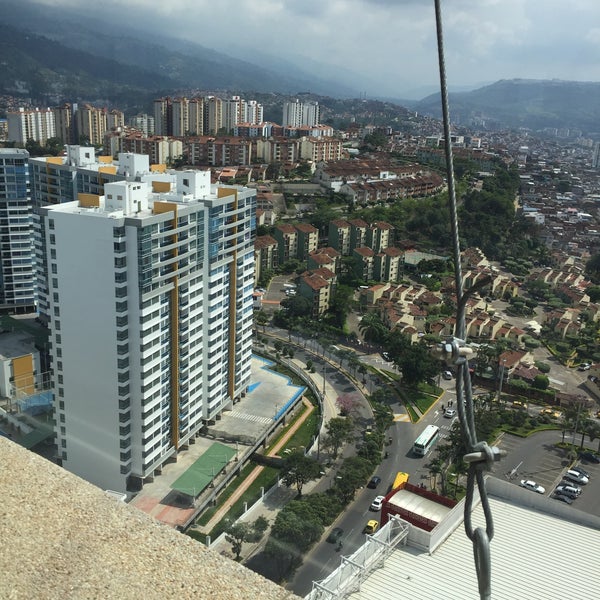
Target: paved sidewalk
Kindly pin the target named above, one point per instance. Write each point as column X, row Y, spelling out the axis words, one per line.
column 225, row 508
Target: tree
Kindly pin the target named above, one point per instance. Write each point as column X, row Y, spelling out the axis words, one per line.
column 347, row 404
column 540, row 382
column 383, row 415
column 372, row 328
column 262, row 318
column 352, row 475
column 297, row 526
column 340, row 430
column 341, row 304
column 593, row 291
column 299, row 469
column 417, row 364
column 236, row 535
column 297, row 306
column 592, row 268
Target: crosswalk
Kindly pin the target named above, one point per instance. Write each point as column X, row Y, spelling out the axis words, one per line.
column 247, row 417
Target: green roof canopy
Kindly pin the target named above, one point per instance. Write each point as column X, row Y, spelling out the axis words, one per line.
column 200, row 474
column 33, row 438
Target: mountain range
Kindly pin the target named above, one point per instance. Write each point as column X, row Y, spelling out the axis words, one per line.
column 53, row 57
column 523, row 103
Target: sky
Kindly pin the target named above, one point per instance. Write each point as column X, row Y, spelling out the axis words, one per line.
column 387, row 47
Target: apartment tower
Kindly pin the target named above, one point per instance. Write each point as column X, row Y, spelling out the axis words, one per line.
column 17, row 291
column 149, row 292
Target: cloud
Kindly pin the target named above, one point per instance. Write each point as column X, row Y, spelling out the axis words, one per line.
column 392, row 42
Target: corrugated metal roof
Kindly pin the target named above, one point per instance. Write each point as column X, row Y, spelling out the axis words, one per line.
column 534, row 555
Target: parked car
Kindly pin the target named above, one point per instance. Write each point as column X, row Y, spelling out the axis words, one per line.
column 335, row 535
column 584, row 366
column 563, row 498
column 533, row 486
column 571, row 491
column 386, row 356
column 518, row 404
column 447, row 375
column 377, row 503
column 551, row 412
column 576, row 477
column 375, row 481
column 590, row 457
column 371, row 526
column 581, row 471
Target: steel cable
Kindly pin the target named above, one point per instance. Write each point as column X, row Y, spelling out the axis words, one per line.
column 480, row 456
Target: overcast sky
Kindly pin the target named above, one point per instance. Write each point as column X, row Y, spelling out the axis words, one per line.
column 390, row 43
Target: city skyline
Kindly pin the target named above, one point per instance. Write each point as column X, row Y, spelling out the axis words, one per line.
column 485, row 41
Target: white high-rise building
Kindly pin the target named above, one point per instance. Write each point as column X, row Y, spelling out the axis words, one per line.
column 149, row 288
column 38, row 125
column 299, row 113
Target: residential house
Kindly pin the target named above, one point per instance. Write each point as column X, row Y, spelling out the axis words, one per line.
column 339, row 236
column 364, row 263
column 266, row 255
column 308, row 240
column 318, row 286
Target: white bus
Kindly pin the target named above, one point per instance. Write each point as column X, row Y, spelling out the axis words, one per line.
column 426, row 440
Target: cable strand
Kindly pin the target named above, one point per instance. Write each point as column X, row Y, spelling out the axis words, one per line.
column 480, row 456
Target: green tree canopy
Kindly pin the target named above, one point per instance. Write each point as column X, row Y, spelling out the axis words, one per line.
column 340, row 430
column 417, row 364
column 298, row 470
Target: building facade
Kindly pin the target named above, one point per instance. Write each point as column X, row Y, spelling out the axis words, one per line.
column 17, row 290
column 299, row 113
column 37, row 125
column 149, row 288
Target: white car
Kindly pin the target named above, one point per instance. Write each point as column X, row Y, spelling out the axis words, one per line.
column 449, row 413
column 576, row 477
column 377, row 503
column 533, row 486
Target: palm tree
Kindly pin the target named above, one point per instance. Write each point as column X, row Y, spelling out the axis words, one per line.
column 585, row 425
column 372, row 327
column 435, row 468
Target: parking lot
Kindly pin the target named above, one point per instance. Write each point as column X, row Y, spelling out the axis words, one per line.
column 538, row 459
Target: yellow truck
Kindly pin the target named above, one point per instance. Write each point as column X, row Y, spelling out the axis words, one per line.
column 401, row 478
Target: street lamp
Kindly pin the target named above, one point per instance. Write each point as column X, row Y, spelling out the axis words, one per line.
column 502, row 366
column 324, row 367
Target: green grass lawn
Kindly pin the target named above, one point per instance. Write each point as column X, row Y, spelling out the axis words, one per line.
column 266, row 478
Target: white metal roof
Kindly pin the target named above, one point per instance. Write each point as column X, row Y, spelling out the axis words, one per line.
column 534, row 554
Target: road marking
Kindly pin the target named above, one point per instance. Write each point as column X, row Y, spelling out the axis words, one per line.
column 247, row 417
column 402, row 417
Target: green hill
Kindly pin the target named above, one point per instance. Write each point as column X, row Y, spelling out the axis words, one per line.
column 533, row 104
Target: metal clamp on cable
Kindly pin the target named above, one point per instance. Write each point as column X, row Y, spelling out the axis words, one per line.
column 484, row 455
column 453, row 351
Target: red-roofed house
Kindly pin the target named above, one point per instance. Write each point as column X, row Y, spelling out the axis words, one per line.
column 308, row 239
column 266, row 255
column 287, row 237
column 388, row 264
column 318, row 287
column 325, row 257
column 339, row 236
column 364, row 262
column 379, row 236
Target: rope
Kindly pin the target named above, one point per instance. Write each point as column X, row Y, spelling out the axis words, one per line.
column 480, row 456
